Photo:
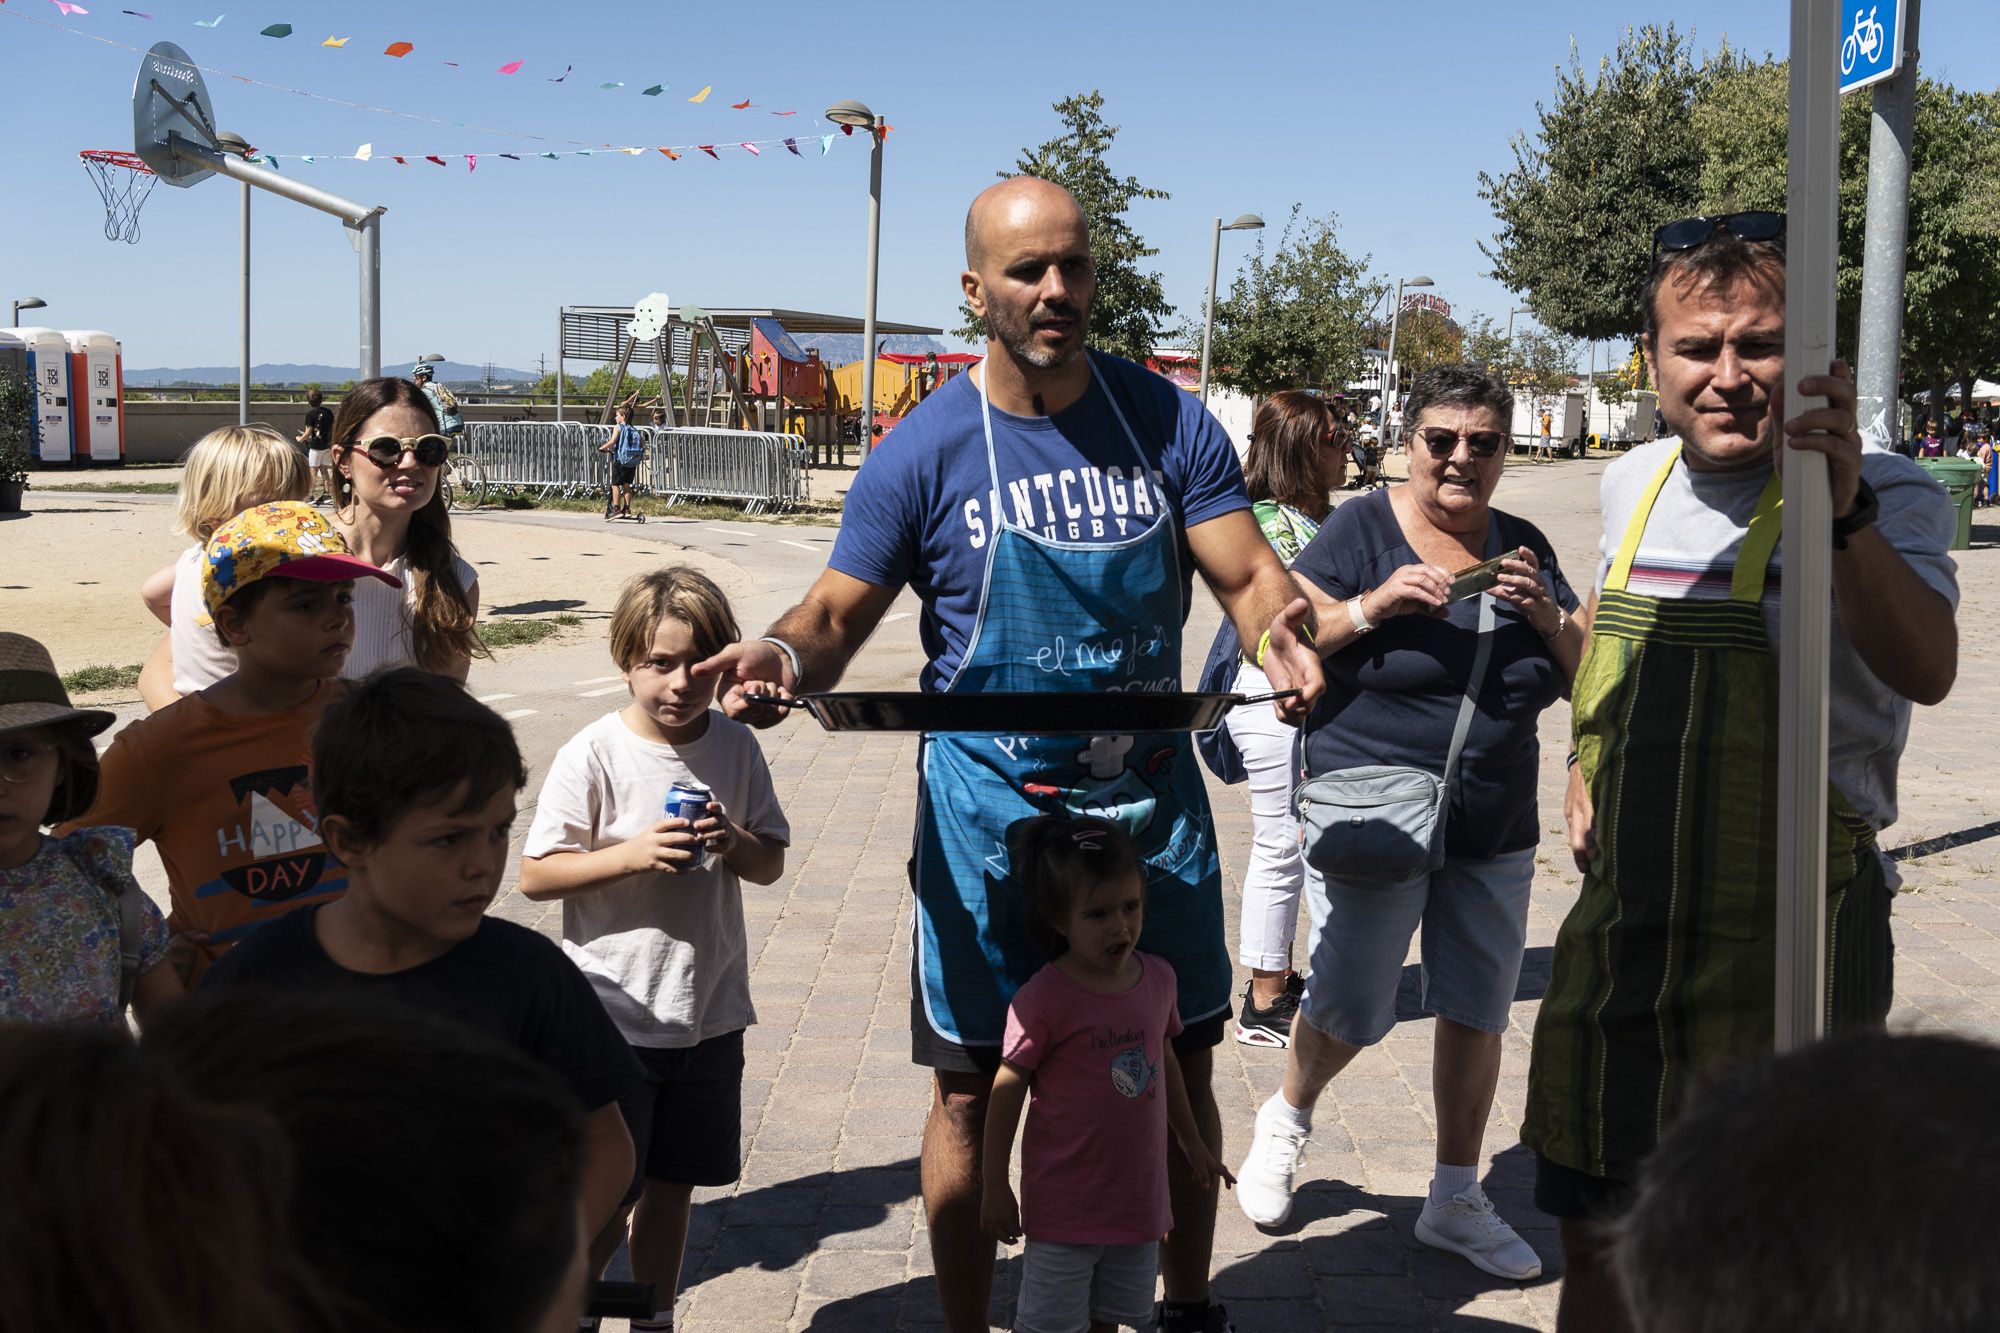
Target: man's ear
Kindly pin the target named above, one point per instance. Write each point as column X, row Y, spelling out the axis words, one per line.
column 338, row 833
column 975, row 292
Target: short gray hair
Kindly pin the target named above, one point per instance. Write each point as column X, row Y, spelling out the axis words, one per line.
column 1459, row 386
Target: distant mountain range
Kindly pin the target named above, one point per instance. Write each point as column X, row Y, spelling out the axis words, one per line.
column 284, row 373
column 837, row 349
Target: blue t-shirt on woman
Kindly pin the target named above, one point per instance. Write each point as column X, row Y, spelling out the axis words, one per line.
column 1392, row 696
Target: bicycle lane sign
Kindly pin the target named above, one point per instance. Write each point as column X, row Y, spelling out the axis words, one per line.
column 1871, row 42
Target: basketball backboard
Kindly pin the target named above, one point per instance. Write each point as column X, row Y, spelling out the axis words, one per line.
column 169, row 97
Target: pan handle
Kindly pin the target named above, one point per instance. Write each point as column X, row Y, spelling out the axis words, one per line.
column 1273, row 697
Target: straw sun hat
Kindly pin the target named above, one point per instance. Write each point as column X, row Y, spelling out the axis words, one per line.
column 32, row 694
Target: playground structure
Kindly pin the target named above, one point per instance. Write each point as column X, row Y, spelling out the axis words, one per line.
column 739, row 369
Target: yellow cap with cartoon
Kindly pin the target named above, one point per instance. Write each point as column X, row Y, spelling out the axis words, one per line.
column 286, row 539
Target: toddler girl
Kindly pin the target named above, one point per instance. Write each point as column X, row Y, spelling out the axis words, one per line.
column 78, row 937
column 228, row 471
column 1090, row 1035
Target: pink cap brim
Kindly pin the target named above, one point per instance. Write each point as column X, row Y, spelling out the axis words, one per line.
column 332, row 568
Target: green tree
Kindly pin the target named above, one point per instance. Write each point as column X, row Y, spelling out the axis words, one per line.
column 17, row 406
column 1293, row 319
column 1131, row 307
column 1614, row 156
column 1486, row 346
column 1426, row 337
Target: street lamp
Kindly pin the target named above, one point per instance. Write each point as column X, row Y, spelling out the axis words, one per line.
column 238, row 146
column 853, row 116
column 27, row 303
column 1390, row 381
column 1248, row 222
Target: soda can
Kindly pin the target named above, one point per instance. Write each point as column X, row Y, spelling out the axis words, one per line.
column 689, row 802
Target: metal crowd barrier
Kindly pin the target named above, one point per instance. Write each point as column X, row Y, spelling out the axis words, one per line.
column 761, row 469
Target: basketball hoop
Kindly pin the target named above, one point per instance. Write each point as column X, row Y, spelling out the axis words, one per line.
column 123, row 182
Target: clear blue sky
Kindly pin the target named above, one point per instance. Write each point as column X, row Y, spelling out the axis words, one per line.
column 1384, row 115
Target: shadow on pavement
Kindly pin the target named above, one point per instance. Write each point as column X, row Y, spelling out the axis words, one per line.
column 1946, row 841
column 1535, row 964
column 537, row 607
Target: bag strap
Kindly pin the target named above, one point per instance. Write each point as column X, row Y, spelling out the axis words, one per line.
column 131, row 939
column 1480, row 656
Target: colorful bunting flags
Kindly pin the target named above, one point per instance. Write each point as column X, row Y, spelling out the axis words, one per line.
column 399, row 49
column 565, row 74
column 739, row 106
column 511, row 157
column 136, row 14
column 672, row 156
column 511, row 67
column 825, row 144
column 215, row 22
column 401, row 161
column 702, row 96
column 709, row 148
column 784, row 113
column 472, row 161
column 653, row 91
column 793, row 145
column 432, row 157
column 67, row 8
column 364, row 152
column 336, row 42
column 277, row 30
column 751, row 149
column 608, row 87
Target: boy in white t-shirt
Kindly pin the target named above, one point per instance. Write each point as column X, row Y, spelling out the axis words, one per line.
column 653, row 907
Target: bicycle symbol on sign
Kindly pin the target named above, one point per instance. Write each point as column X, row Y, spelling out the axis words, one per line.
column 1864, row 41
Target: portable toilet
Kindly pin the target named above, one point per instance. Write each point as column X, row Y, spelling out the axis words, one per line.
column 97, row 375
column 48, row 371
column 13, row 356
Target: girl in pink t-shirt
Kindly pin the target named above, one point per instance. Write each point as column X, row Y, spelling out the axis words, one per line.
column 1089, row 1036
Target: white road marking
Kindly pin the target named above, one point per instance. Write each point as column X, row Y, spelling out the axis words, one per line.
column 598, row 680
column 733, row 532
column 495, row 698
column 597, row 694
column 516, row 714
column 899, row 615
column 801, row 545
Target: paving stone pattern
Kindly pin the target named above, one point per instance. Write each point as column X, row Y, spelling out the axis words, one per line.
column 825, row 1230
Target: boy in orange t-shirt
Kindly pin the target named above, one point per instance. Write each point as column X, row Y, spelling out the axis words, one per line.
column 218, row 780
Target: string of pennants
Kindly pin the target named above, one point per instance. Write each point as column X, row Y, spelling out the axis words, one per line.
column 797, row 145
column 399, row 50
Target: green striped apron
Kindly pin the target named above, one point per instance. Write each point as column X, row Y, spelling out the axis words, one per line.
column 1668, row 961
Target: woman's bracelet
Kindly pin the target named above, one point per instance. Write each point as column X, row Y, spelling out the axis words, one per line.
column 1573, row 757
column 1562, row 623
column 1359, row 614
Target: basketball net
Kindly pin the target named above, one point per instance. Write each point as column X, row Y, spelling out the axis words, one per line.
column 123, row 182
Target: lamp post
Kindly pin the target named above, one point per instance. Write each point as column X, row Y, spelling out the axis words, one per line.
column 1390, row 381
column 854, row 115
column 1511, row 312
column 27, row 303
column 238, row 146
column 1248, row 222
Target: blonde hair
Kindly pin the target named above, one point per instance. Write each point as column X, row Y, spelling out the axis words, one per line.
column 233, row 469
column 679, row 592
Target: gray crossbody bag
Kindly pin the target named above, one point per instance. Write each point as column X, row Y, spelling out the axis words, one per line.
column 1382, row 823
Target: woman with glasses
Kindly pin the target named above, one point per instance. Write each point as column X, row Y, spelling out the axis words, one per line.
column 387, row 455
column 1447, row 675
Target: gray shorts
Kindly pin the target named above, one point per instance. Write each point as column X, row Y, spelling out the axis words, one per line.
column 1475, row 920
column 1064, row 1287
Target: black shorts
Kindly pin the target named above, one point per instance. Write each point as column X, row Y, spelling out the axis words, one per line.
column 686, row 1115
column 1565, row 1192
column 934, row 1050
column 622, row 474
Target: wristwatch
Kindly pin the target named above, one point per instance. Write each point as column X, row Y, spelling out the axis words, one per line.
column 1859, row 517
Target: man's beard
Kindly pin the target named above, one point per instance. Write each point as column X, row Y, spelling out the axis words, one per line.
column 1019, row 338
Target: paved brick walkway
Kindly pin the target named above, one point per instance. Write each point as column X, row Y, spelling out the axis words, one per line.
column 825, row 1230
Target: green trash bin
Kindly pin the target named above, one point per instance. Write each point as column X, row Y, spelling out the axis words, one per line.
column 1960, row 478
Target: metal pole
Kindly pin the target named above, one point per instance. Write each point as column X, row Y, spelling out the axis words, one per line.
column 1805, row 622
column 1208, row 311
column 559, row 365
column 243, row 358
column 1389, row 374
column 368, row 241
column 1880, row 354
column 868, row 312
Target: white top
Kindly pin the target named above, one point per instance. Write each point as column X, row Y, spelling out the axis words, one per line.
column 199, row 657
column 666, row 954
column 382, row 619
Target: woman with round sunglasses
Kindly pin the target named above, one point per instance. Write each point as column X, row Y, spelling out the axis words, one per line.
column 1450, row 680
column 388, row 454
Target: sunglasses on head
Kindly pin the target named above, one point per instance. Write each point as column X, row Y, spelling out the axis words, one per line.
column 1442, row 442
column 386, row 451
column 1686, row 234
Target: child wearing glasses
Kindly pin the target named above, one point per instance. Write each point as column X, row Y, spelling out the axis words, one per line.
column 78, row 939
column 217, row 780
column 388, row 453
column 653, row 902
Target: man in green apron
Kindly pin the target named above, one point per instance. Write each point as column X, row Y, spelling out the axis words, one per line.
column 1667, row 963
column 1050, row 508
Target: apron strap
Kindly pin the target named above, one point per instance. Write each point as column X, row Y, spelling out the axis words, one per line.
column 1746, row 584
column 1635, row 528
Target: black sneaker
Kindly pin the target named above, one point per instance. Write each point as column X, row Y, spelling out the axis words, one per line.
column 1272, row 1026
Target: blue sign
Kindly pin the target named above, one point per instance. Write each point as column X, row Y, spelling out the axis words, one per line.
column 1871, row 42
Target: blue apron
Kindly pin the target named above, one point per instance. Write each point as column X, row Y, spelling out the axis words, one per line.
column 1063, row 617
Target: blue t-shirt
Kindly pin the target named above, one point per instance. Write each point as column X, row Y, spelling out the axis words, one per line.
column 1392, row 696
column 922, row 510
column 631, row 446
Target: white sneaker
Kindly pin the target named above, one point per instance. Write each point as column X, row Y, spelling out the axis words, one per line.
column 1264, row 1181
column 1468, row 1226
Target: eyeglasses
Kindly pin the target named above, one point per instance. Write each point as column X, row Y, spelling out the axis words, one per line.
column 1442, row 442
column 1688, row 233
column 20, row 761
column 386, row 451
